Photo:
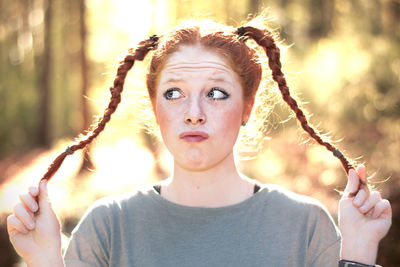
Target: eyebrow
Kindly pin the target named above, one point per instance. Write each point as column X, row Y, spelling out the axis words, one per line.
column 221, row 79
column 173, row 80
column 217, row 79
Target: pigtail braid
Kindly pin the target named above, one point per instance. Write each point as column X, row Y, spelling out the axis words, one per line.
column 138, row 54
column 264, row 39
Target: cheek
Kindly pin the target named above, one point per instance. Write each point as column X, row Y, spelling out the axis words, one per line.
column 162, row 116
column 228, row 121
column 166, row 118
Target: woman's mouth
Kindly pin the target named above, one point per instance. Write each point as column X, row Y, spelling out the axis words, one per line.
column 195, row 136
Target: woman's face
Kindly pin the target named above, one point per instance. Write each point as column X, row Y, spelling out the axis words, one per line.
column 199, row 107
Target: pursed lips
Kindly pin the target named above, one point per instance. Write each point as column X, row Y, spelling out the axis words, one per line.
column 194, row 136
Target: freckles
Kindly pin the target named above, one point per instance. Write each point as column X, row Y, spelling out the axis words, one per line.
column 231, row 122
column 163, row 118
column 163, row 111
column 161, row 114
column 228, row 123
column 168, row 118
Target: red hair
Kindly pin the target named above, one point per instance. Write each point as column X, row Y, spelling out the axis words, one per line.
column 220, row 39
column 228, row 42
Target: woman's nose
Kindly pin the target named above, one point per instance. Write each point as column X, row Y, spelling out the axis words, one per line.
column 194, row 114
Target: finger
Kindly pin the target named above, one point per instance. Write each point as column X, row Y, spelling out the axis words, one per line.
column 374, row 197
column 352, row 183
column 23, row 215
column 382, row 208
column 34, row 191
column 370, row 212
column 28, row 201
column 360, row 198
column 44, row 201
column 361, row 172
column 13, row 223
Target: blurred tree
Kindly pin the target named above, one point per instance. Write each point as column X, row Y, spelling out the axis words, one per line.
column 87, row 163
column 321, row 14
column 45, row 80
column 253, row 6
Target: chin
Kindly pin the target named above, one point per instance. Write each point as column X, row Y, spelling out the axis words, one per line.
column 198, row 163
column 197, row 159
column 194, row 164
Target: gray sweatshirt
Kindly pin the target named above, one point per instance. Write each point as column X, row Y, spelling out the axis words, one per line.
column 274, row 227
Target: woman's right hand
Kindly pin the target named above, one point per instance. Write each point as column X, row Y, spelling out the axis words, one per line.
column 34, row 229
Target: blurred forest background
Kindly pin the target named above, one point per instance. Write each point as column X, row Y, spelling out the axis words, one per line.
column 58, row 59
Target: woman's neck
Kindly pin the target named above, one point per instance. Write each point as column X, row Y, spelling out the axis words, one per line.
column 217, row 186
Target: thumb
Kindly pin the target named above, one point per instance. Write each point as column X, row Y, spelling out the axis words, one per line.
column 352, row 183
column 361, row 171
column 44, row 201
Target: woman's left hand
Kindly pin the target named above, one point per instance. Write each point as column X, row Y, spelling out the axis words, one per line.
column 364, row 219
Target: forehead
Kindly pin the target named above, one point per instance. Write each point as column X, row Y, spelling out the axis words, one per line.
column 193, row 60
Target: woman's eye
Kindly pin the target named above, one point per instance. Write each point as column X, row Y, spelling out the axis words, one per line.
column 173, row 93
column 217, row 93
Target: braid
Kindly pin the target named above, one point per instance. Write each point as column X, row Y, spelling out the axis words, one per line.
column 138, row 54
column 264, row 39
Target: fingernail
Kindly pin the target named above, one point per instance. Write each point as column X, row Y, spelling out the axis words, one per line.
column 31, row 225
column 42, row 183
column 364, row 207
column 34, row 190
column 34, row 207
column 357, row 202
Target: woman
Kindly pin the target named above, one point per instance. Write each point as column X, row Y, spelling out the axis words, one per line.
column 202, row 84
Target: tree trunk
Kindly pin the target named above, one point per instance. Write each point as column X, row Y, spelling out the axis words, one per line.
column 253, row 6
column 45, row 79
column 87, row 163
column 321, row 14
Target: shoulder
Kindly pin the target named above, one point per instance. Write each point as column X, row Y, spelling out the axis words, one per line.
column 138, row 194
column 116, row 207
column 288, row 205
column 303, row 213
column 285, row 198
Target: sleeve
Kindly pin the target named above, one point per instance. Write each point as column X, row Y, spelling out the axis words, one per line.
column 324, row 244
column 90, row 240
